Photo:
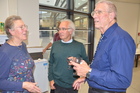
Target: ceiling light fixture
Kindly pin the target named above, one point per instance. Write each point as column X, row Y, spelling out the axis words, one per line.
column 48, row 1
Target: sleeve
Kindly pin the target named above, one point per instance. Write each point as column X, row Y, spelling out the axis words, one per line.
column 84, row 55
column 121, row 59
column 56, row 37
column 51, row 41
column 5, row 64
column 50, row 72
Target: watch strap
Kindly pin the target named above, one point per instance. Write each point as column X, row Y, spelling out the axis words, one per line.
column 88, row 74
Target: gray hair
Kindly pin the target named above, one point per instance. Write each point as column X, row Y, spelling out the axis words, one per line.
column 71, row 25
column 111, row 6
column 9, row 24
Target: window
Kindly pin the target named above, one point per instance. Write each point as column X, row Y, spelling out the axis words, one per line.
column 81, row 5
column 48, row 19
column 81, row 21
column 54, row 3
column 51, row 11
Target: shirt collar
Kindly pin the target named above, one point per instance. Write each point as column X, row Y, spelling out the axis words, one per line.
column 67, row 41
column 110, row 30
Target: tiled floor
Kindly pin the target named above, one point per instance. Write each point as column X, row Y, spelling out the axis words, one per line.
column 135, row 85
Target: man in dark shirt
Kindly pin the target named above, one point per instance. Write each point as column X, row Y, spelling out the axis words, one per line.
column 60, row 75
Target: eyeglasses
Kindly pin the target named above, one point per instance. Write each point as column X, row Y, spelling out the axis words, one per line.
column 23, row 27
column 97, row 12
column 63, row 29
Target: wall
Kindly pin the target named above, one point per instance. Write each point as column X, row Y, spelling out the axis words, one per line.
column 138, row 37
column 3, row 10
column 128, row 15
column 28, row 10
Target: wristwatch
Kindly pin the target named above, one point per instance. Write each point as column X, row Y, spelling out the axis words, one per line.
column 88, row 73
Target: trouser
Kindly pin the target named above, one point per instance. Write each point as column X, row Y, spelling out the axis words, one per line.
column 94, row 90
column 64, row 90
column 52, row 91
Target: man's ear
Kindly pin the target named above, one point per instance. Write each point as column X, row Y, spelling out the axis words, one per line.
column 112, row 15
column 71, row 31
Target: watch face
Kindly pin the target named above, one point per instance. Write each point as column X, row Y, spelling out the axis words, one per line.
column 88, row 75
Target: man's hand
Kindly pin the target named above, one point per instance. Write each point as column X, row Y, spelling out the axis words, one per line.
column 81, row 69
column 52, row 84
column 77, row 83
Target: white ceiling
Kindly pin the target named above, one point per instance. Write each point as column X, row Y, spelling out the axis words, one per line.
column 51, row 2
column 48, row 2
column 129, row 1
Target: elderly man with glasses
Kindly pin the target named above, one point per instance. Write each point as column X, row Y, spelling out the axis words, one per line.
column 61, row 76
column 112, row 65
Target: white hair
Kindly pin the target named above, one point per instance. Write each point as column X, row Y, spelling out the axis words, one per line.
column 71, row 25
column 111, row 6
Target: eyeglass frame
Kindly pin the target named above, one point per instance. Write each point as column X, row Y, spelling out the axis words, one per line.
column 22, row 27
column 63, row 29
column 97, row 12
